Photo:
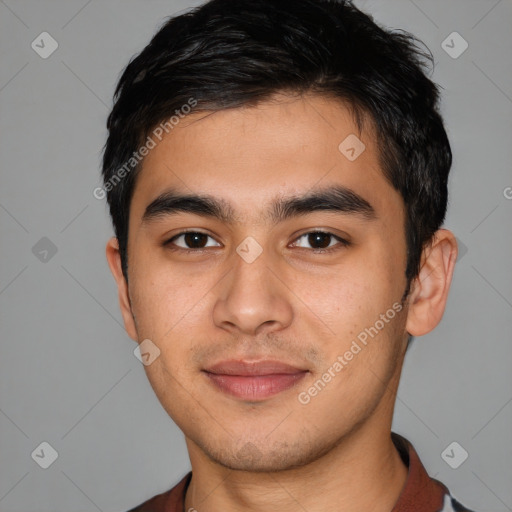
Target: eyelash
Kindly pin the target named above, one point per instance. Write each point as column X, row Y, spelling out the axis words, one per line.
column 342, row 242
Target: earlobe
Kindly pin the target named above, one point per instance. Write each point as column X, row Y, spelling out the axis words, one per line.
column 114, row 262
column 430, row 288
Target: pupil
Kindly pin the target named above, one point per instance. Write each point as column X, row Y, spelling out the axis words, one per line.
column 191, row 239
column 317, row 238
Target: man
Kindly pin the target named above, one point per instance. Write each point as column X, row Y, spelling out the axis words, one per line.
column 276, row 173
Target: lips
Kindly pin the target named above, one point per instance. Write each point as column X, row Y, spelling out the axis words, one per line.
column 248, row 368
column 254, row 381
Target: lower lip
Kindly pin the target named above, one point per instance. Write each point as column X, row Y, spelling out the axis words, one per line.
column 255, row 387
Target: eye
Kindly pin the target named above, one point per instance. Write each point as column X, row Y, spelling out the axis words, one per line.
column 193, row 240
column 324, row 240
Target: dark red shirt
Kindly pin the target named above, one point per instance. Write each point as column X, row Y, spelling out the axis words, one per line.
column 419, row 494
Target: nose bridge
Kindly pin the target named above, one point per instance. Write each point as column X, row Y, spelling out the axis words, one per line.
column 252, row 295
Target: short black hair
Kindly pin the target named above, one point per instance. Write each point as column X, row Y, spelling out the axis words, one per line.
column 233, row 53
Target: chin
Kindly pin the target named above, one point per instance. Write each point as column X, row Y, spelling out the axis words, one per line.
column 263, row 458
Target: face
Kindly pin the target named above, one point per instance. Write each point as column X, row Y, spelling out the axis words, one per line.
column 270, row 271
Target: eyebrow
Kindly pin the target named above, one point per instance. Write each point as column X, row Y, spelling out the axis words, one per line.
column 336, row 199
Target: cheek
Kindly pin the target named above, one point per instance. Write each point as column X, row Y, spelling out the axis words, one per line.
column 348, row 296
column 165, row 295
column 358, row 302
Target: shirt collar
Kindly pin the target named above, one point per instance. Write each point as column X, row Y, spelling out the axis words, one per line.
column 420, row 492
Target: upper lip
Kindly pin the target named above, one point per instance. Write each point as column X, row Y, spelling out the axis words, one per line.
column 248, row 368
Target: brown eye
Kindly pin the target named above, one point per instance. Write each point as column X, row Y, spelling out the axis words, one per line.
column 321, row 241
column 190, row 240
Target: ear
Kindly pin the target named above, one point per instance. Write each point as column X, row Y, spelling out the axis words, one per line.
column 114, row 262
column 429, row 291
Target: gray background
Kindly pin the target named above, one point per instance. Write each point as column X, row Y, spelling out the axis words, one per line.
column 68, row 375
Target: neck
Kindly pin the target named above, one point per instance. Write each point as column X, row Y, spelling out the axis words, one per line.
column 364, row 471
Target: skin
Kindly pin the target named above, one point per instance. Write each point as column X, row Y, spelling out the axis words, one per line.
column 290, row 304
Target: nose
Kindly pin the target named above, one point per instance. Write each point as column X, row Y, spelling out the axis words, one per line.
column 252, row 299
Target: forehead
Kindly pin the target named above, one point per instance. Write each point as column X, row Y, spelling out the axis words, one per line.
column 250, row 155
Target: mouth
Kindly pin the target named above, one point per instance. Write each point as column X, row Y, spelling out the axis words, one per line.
column 254, row 381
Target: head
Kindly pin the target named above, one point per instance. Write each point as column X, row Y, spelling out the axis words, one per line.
column 254, row 123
